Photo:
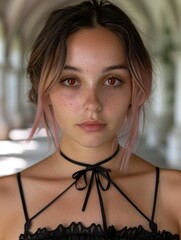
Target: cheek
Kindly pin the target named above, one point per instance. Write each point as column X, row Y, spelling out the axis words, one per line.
column 71, row 105
column 64, row 103
column 118, row 103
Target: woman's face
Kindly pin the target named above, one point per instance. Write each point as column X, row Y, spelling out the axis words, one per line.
column 93, row 95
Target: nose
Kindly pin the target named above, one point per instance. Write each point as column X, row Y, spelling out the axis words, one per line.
column 92, row 100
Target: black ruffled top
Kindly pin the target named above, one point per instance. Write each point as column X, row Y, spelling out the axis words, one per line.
column 95, row 232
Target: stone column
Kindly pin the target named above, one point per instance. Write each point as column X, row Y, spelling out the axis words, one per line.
column 174, row 136
column 3, row 123
column 26, row 107
column 160, row 110
column 13, row 88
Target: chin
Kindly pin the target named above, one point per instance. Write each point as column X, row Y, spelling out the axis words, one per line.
column 96, row 143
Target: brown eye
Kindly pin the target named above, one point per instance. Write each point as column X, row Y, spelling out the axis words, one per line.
column 70, row 82
column 113, row 81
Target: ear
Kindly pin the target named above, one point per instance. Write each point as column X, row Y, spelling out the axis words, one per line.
column 139, row 98
column 142, row 100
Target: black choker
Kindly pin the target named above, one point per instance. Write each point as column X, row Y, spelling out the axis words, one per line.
column 90, row 165
column 97, row 172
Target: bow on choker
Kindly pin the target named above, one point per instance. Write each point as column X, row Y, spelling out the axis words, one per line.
column 96, row 171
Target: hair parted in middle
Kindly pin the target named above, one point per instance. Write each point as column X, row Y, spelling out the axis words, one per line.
column 48, row 57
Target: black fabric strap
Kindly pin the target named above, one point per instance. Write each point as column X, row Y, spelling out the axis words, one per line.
column 156, row 192
column 128, row 199
column 28, row 222
column 51, row 202
column 22, row 196
column 153, row 226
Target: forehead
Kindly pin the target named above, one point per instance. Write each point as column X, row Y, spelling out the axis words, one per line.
column 95, row 45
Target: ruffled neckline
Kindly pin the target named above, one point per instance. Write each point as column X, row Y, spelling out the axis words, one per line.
column 94, row 231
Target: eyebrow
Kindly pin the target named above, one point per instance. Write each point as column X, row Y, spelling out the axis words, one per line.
column 115, row 67
column 68, row 67
column 106, row 69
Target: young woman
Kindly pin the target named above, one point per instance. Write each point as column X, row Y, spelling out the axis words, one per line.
column 90, row 76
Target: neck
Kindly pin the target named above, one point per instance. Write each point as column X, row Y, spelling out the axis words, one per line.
column 88, row 155
column 90, row 165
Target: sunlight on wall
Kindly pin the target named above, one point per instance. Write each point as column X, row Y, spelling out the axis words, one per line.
column 15, row 156
column 11, row 165
column 8, row 147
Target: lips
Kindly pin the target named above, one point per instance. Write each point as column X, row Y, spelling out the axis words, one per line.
column 92, row 126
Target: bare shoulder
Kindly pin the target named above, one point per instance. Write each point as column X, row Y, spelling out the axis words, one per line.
column 170, row 193
column 8, row 199
column 11, row 210
column 7, row 187
column 168, row 207
column 170, row 187
column 140, row 167
column 170, row 182
column 171, row 177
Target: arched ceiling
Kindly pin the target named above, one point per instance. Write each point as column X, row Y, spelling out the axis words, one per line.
column 24, row 18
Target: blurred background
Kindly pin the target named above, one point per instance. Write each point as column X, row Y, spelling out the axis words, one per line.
column 159, row 23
